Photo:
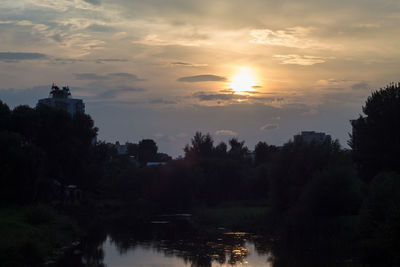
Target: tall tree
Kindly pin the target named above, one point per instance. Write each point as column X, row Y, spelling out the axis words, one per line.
column 375, row 139
column 5, row 114
column 264, row 152
column 238, row 149
column 202, row 146
column 147, row 150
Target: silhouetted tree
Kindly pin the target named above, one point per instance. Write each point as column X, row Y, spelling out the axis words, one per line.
column 201, row 146
column 221, row 150
column 380, row 221
column 26, row 121
column 133, row 149
column 238, row 150
column 264, row 152
column 5, row 115
column 294, row 167
column 375, row 138
column 147, row 150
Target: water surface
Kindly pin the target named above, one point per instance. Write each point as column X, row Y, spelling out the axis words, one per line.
column 227, row 249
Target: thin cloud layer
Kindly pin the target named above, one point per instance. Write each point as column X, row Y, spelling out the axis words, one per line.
column 186, row 64
column 300, row 60
column 360, row 86
column 297, row 37
column 97, row 77
column 202, row 78
column 17, row 56
column 226, row 133
column 269, row 127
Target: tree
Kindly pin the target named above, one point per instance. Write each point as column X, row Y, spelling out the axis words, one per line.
column 238, row 149
column 5, row 114
column 25, row 120
column 221, row 150
column 295, row 165
column 263, row 152
column 202, row 146
column 147, row 150
column 375, row 138
column 133, row 149
column 380, row 221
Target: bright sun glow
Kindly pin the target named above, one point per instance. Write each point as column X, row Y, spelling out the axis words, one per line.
column 243, row 81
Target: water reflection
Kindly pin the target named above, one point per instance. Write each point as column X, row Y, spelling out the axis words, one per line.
column 173, row 244
column 229, row 250
column 177, row 242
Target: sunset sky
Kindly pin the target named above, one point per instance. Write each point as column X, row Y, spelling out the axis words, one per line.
column 259, row 70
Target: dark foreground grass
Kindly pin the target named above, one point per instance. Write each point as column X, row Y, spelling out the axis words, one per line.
column 30, row 235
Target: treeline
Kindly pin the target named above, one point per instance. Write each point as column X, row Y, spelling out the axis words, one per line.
column 324, row 201
column 319, row 195
column 40, row 148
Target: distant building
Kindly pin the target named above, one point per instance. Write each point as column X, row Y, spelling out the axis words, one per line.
column 155, row 164
column 309, row 136
column 61, row 99
column 121, row 149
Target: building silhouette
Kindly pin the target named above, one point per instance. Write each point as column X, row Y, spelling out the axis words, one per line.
column 61, row 99
column 310, row 136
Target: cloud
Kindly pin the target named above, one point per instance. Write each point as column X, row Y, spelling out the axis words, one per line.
column 202, row 96
column 174, row 39
column 96, row 77
column 360, row 86
column 90, row 76
column 296, row 37
column 160, row 101
column 16, row 56
column 269, row 127
column 202, row 78
column 330, row 81
column 113, row 93
column 186, row 64
column 101, row 60
column 226, row 133
column 99, row 28
column 125, row 75
column 93, row 2
column 158, row 135
column 182, row 135
column 300, row 60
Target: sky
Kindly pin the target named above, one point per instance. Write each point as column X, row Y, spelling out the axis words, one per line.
column 258, row 70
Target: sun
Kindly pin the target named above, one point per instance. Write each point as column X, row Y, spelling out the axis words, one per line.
column 243, row 81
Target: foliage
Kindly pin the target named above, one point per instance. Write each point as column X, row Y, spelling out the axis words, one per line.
column 201, row 146
column 315, row 198
column 147, row 150
column 29, row 234
column 40, row 146
column 375, row 139
column 380, row 225
column 264, row 152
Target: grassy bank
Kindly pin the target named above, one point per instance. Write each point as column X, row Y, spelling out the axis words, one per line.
column 30, row 235
column 234, row 216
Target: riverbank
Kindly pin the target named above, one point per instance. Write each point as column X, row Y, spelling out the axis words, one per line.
column 249, row 217
column 30, row 235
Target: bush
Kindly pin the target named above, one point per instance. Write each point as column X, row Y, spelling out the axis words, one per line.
column 39, row 214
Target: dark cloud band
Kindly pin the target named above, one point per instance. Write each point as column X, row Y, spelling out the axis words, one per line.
column 202, row 78
column 21, row 56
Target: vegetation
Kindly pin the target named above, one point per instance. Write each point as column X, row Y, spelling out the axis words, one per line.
column 375, row 140
column 31, row 234
column 314, row 199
